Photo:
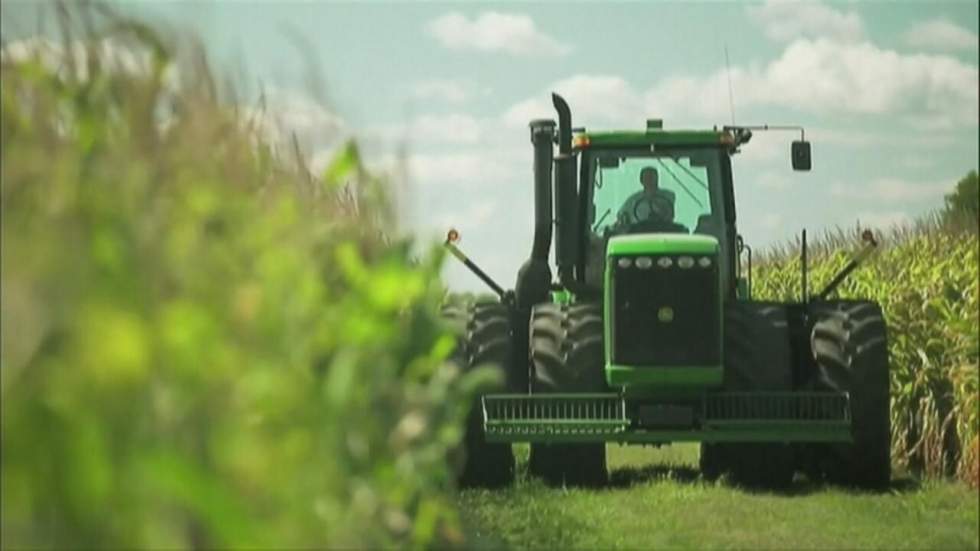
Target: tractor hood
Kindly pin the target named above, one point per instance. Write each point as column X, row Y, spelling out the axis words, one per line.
column 661, row 243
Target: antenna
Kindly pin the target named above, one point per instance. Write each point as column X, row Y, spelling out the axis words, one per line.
column 731, row 95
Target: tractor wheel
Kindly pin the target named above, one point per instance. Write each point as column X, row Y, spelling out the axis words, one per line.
column 850, row 348
column 757, row 357
column 567, row 356
column 711, row 461
column 484, row 338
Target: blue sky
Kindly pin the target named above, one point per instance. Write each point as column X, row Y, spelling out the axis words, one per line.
column 888, row 93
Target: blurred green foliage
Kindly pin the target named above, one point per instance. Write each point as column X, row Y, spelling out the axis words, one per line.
column 926, row 280
column 204, row 345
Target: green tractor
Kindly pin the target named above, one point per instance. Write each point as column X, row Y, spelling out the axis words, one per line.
column 647, row 332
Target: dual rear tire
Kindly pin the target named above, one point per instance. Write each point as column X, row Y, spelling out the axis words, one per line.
column 845, row 351
column 566, row 353
column 849, row 344
column 484, row 338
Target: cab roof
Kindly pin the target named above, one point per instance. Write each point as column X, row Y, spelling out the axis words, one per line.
column 653, row 136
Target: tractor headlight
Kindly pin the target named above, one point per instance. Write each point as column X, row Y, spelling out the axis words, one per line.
column 704, row 262
column 685, row 262
column 644, row 262
column 624, row 262
column 665, row 262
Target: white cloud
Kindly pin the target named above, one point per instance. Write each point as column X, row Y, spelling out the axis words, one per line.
column 492, row 31
column 857, row 138
column 919, row 162
column 849, row 138
column 764, row 148
column 942, row 35
column 452, row 128
column 815, row 76
column 786, row 21
column 771, row 221
column 594, row 99
column 892, row 190
column 446, row 90
column 459, row 170
column 822, row 75
column 883, row 220
column 773, row 181
column 469, row 216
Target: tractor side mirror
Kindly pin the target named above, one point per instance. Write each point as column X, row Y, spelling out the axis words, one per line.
column 800, row 154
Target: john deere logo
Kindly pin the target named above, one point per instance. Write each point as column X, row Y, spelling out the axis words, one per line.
column 665, row 314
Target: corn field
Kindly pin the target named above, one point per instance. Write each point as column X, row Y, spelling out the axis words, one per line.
column 925, row 278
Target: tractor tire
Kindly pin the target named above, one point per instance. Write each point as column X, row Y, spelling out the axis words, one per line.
column 712, row 461
column 850, row 348
column 566, row 349
column 484, row 338
column 757, row 357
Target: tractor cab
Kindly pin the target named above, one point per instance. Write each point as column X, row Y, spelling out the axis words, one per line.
column 657, row 181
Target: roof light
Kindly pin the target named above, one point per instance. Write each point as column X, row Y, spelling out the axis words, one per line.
column 704, row 262
column 685, row 262
column 644, row 262
column 665, row 262
column 624, row 262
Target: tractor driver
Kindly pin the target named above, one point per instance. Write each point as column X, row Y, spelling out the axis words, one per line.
column 649, row 204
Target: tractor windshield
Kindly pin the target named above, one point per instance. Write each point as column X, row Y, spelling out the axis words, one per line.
column 674, row 190
column 671, row 190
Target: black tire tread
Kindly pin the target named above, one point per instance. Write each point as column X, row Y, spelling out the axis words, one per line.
column 483, row 338
column 757, row 356
column 850, row 346
column 566, row 353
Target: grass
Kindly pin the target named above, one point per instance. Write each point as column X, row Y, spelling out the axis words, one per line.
column 656, row 499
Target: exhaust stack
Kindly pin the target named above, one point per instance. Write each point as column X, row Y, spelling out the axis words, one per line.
column 534, row 277
column 566, row 194
column 542, row 133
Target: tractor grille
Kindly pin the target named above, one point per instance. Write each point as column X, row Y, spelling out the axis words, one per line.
column 768, row 407
column 666, row 315
column 554, row 414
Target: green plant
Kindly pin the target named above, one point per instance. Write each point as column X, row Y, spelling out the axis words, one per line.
column 205, row 345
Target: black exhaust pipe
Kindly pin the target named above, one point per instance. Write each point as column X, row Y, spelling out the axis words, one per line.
column 534, row 277
column 542, row 134
column 564, row 124
column 566, row 194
